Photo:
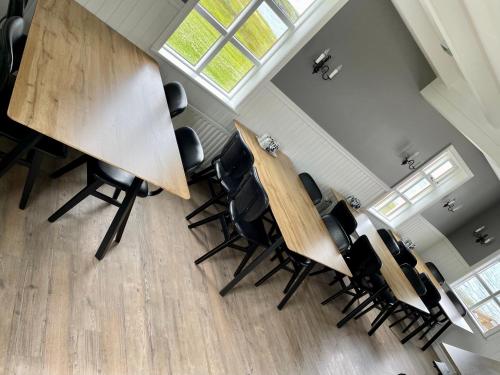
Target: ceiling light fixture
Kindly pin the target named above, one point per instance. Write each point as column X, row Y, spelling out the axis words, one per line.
column 482, row 238
column 320, row 66
column 409, row 160
column 452, row 206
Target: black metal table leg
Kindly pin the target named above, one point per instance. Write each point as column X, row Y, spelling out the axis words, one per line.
column 245, row 271
column 436, row 335
column 120, row 216
column 360, row 307
column 383, row 318
column 300, row 278
column 17, row 152
column 34, row 169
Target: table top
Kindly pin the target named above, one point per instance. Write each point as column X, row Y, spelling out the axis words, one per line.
column 392, row 273
column 445, row 302
column 298, row 219
column 468, row 363
column 88, row 87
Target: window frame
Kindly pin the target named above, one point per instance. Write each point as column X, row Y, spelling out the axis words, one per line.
column 322, row 10
column 495, row 296
column 440, row 187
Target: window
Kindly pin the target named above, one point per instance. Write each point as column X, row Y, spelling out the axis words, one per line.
column 223, row 42
column 436, row 178
column 480, row 294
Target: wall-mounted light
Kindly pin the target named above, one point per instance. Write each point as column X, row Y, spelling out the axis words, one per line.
column 320, row 66
column 482, row 238
column 410, row 160
column 451, row 205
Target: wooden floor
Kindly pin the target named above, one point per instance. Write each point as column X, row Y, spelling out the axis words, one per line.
column 147, row 309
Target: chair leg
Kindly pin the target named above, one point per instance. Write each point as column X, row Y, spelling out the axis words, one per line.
column 17, row 153
column 268, row 275
column 436, row 335
column 249, row 252
column 350, row 303
column 84, row 193
column 119, row 218
column 293, row 288
column 323, row 270
column 415, row 319
column 34, row 169
column 290, row 282
column 205, row 205
column 415, row 331
column 382, row 319
column 207, row 220
column 365, row 311
column 70, row 166
column 116, row 194
column 119, row 234
column 214, row 251
column 361, row 306
column 426, row 331
column 398, row 321
column 340, row 292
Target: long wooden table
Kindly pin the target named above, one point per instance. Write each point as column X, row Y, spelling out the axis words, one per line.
column 468, row 363
column 88, row 87
column 301, row 226
column 445, row 303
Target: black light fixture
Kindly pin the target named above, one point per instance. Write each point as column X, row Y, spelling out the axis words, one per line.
column 409, row 160
column 320, row 66
column 482, row 238
column 451, row 205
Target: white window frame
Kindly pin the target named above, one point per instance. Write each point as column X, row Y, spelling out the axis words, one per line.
column 494, row 258
column 303, row 29
column 450, row 182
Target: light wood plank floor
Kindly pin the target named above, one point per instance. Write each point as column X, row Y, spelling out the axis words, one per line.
column 147, row 309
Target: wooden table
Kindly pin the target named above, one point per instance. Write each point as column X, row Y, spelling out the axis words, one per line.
column 445, row 303
column 88, row 87
column 300, row 224
column 468, row 363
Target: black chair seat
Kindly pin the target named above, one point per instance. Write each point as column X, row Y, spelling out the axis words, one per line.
column 190, row 148
column 115, row 177
column 297, row 258
column 254, row 231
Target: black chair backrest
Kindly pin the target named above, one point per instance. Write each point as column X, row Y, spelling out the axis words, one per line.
column 311, row 188
column 435, row 272
column 12, row 29
column 345, row 217
column 338, row 234
column 389, row 241
column 431, row 297
column 190, row 148
column 414, row 278
column 251, row 201
column 236, row 158
column 176, row 98
column 453, row 298
column 405, row 256
column 16, row 8
column 362, row 259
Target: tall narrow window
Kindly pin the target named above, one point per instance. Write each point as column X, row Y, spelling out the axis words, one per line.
column 225, row 41
column 480, row 293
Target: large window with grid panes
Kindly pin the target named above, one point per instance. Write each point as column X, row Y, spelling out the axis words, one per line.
column 438, row 177
column 224, row 42
column 479, row 291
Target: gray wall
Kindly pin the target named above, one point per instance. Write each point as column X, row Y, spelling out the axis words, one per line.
column 462, row 238
column 374, row 107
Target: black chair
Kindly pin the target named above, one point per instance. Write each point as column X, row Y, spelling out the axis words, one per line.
column 389, row 241
column 435, row 272
column 435, row 316
column 28, row 142
column 100, row 173
column 405, row 256
column 456, row 302
column 190, row 148
column 311, row 188
column 227, row 171
column 302, row 266
column 176, row 98
column 244, row 214
column 16, row 8
column 363, row 262
column 387, row 304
